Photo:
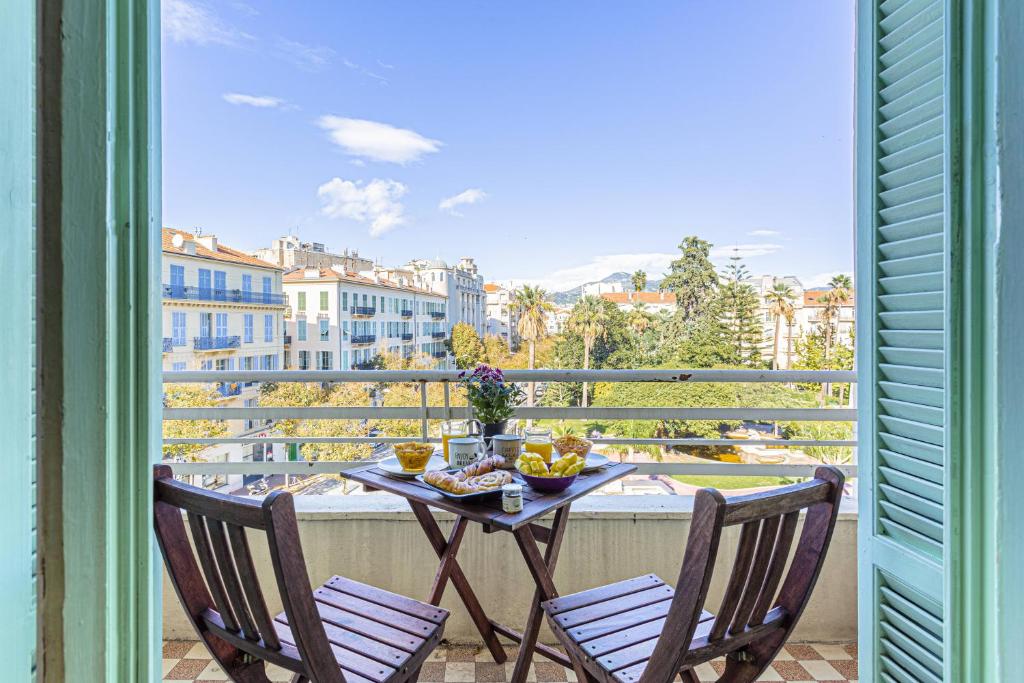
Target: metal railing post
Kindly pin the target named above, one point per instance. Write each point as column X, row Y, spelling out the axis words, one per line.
column 424, row 425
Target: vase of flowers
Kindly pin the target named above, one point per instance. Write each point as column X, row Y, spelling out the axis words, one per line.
column 493, row 399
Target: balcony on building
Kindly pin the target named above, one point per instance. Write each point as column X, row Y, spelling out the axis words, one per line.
column 406, row 313
column 364, row 365
column 437, row 315
column 438, row 335
column 407, row 336
column 287, row 339
column 228, row 389
column 168, row 345
column 233, row 296
column 439, row 354
column 366, row 311
column 363, row 339
column 216, row 343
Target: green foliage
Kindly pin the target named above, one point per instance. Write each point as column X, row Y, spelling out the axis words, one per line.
column 496, row 351
column 738, row 307
column 466, row 346
column 190, row 396
column 692, row 277
column 493, row 399
column 534, row 306
column 823, row 431
column 638, row 280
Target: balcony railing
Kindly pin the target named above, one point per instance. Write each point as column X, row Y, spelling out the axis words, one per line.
column 437, row 315
column 778, row 465
column 214, row 343
column 407, row 336
column 168, row 345
column 438, row 335
column 364, row 338
column 365, row 365
column 287, row 339
column 235, row 296
column 406, row 312
column 364, row 310
column 439, row 354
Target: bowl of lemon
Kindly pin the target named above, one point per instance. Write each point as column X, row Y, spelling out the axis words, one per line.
column 553, row 478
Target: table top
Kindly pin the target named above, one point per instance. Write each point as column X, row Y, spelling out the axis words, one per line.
column 488, row 511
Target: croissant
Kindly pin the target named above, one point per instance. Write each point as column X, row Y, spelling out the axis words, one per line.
column 487, row 481
column 481, row 467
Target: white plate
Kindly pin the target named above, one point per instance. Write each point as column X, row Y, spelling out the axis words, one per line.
column 394, row 468
column 594, row 461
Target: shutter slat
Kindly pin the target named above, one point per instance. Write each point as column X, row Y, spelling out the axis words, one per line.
column 919, row 52
column 908, row 521
column 912, row 173
column 922, row 37
column 918, row 358
column 912, row 447
column 912, row 339
column 915, row 265
column 913, row 411
column 904, row 194
column 913, row 320
column 912, row 430
column 911, row 155
column 915, row 98
column 916, row 301
column 912, row 393
column 914, row 209
column 906, row 374
column 915, row 246
column 925, row 282
column 913, row 466
column 910, row 538
column 914, row 488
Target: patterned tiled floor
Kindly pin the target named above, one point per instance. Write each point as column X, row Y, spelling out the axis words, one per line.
column 189, row 661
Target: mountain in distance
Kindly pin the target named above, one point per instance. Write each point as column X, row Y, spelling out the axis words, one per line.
column 571, row 296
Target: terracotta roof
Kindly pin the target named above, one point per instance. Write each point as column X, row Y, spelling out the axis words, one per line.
column 812, row 297
column 491, row 288
column 223, row 253
column 331, row 275
column 642, row 297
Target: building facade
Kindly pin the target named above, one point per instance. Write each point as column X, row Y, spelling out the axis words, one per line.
column 502, row 314
column 222, row 310
column 344, row 321
column 289, row 252
column 461, row 285
column 652, row 302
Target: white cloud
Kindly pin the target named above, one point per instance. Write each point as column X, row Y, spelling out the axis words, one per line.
column 470, row 196
column 764, row 233
column 259, row 101
column 743, row 251
column 602, row 266
column 821, row 279
column 193, row 22
column 308, row 57
column 377, row 141
column 376, row 202
column 358, row 68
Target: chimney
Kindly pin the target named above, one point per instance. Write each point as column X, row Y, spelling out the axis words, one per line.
column 208, row 241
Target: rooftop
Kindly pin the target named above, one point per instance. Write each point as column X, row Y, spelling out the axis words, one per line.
column 661, row 298
column 219, row 252
column 331, row 275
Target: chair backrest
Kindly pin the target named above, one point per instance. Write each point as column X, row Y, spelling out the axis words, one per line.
column 217, row 582
column 756, row 615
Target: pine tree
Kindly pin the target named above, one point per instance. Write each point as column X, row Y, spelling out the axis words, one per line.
column 692, row 277
column 739, row 304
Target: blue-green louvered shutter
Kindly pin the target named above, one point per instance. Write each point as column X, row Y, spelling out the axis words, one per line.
column 903, row 301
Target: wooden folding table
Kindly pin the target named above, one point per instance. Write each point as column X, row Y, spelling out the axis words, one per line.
column 522, row 525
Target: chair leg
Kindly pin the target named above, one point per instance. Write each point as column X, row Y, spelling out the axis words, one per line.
column 414, row 676
column 689, row 676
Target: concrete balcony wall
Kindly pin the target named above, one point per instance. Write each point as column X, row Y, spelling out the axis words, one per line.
column 375, row 539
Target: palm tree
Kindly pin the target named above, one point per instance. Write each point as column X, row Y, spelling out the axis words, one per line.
column 533, row 305
column 790, row 314
column 838, row 294
column 639, row 280
column 639, row 319
column 780, row 305
column 589, row 319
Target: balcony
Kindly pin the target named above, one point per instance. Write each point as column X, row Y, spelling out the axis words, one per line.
column 438, row 335
column 234, row 296
column 168, row 345
column 406, row 313
column 287, row 339
column 361, row 339
column 437, row 315
column 639, row 523
column 216, row 343
column 228, row 389
column 365, row 365
column 364, row 311
column 407, row 336
column 439, row 354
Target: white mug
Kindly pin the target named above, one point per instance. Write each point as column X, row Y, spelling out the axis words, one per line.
column 507, row 446
column 465, row 450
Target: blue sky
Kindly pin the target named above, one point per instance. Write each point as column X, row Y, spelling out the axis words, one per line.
column 554, row 142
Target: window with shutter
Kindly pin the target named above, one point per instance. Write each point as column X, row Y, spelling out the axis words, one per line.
column 905, row 317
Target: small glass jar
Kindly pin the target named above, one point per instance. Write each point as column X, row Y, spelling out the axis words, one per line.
column 512, row 498
column 538, row 440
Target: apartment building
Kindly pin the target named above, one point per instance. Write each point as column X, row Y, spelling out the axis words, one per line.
column 807, row 305
column 652, row 302
column 502, row 314
column 222, row 310
column 461, row 285
column 344, row 320
column 289, row 252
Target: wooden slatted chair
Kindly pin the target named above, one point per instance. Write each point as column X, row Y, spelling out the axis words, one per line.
column 643, row 631
column 341, row 632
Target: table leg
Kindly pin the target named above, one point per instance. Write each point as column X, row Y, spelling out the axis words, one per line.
column 450, row 567
column 541, row 568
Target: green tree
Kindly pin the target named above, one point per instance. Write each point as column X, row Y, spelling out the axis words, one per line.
column 466, row 346
column 533, row 305
column 780, row 306
column 190, row 396
column 589, row 320
column 639, row 281
column 739, row 304
column 496, row 351
column 692, row 277
column 640, row 320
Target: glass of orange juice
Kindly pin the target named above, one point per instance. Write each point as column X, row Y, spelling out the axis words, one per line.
column 538, row 440
column 457, row 429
